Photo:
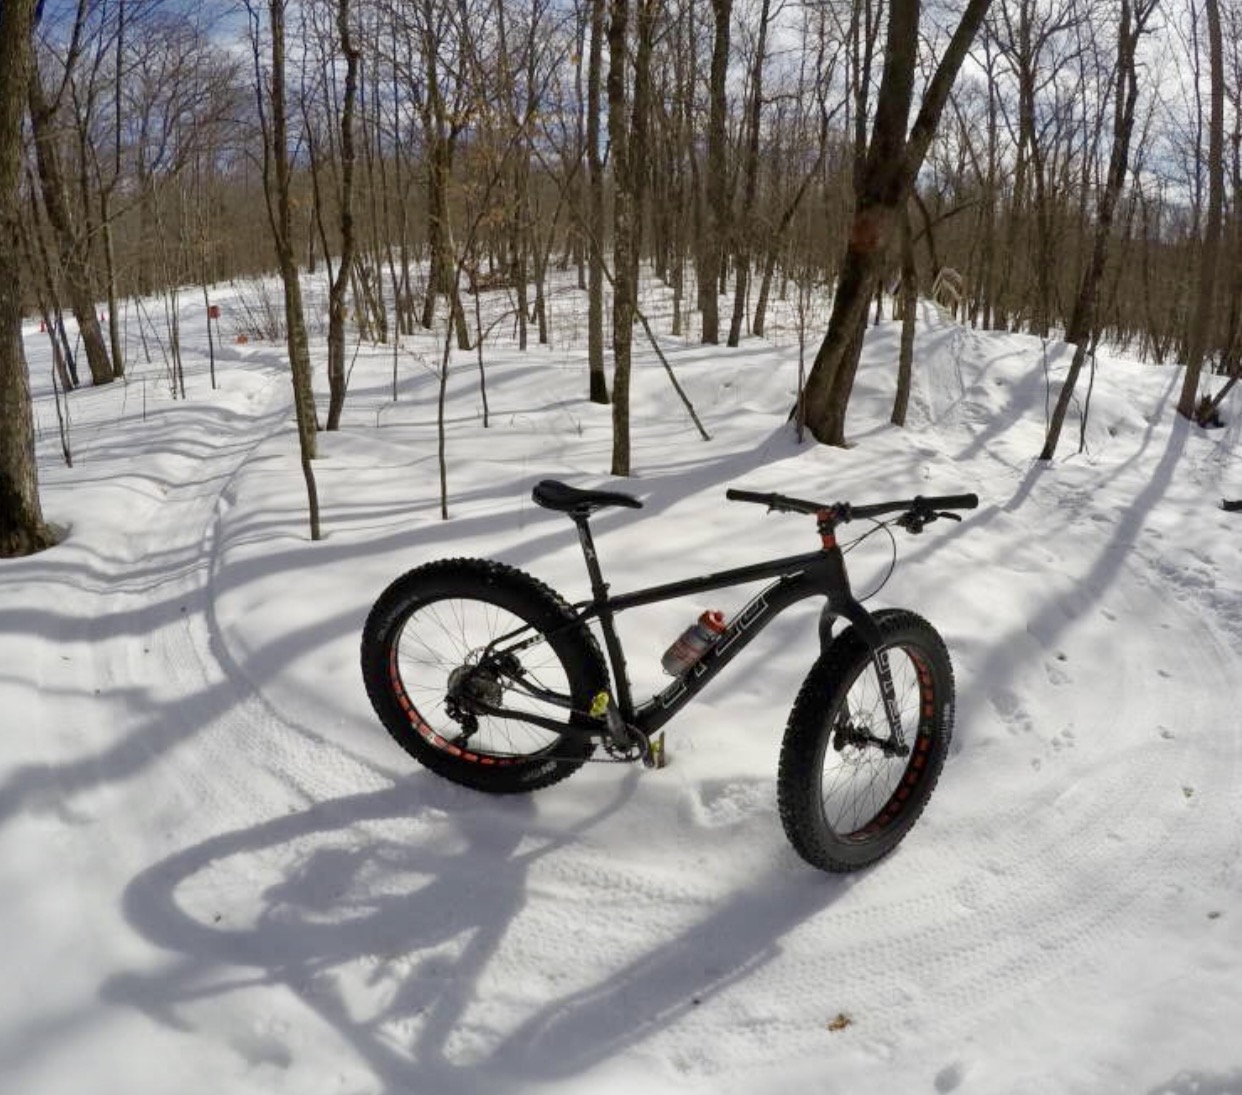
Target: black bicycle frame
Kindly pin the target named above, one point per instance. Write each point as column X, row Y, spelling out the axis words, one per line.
column 816, row 573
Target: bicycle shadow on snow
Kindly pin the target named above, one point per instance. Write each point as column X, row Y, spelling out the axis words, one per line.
column 361, row 896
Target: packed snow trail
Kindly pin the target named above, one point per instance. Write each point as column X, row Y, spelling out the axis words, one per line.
column 149, row 744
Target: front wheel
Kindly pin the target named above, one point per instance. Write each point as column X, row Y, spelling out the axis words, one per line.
column 455, row 653
column 847, row 791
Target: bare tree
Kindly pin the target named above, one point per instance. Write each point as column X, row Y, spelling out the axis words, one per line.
column 1201, row 323
column 624, row 231
column 22, row 530
column 277, row 174
column 595, row 209
column 801, row 135
column 72, row 242
column 715, row 230
column 339, row 284
column 886, row 180
column 442, row 106
column 743, row 231
column 629, row 132
column 1084, row 322
column 909, row 307
column 1039, row 44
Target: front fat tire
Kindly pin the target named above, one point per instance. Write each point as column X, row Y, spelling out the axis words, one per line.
column 406, row 685
column 889, row 792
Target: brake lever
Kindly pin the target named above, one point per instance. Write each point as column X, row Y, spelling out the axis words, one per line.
column 914, row 521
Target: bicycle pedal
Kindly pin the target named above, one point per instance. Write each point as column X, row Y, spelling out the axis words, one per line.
column 655, row 756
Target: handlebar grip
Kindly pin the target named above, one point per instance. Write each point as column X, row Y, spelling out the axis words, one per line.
column 953, row 501
column 735, row 495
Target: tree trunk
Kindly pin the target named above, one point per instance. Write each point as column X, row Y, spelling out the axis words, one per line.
column 75, row 265
column 1201, row 324
column 595, row 207
column 750, row 180
column 22, row 530
column 630, row 145
column 777, row 239
column 909, row 313
column 280, row 214
column 885, row 182
column 441, row 137
column 623, row 302
column 716, row 208
column 1084, row 322
column 340, row 283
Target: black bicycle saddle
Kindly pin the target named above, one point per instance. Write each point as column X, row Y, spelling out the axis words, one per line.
column 553, row 494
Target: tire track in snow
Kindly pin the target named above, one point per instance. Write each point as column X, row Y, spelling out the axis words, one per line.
column 153, row 689
column 1059, row 893
column 1165, row 740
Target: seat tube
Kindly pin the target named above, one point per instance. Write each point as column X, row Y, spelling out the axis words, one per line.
column 599, row 593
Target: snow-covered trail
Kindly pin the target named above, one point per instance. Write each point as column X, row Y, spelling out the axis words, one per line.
column 148, row 743
column 230, row 870
column 1121, row 684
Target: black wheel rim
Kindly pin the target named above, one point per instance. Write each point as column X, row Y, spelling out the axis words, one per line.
column 437, row 641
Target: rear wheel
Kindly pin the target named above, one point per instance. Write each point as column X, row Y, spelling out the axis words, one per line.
column 848, row 791
column 453, row 651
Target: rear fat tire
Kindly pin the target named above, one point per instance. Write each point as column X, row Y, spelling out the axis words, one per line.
column 844, row 804
column 407, row 685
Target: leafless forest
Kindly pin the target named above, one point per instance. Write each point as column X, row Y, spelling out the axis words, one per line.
column 1071, row 168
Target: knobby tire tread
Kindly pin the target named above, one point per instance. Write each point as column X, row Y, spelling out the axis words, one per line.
column 809, row 730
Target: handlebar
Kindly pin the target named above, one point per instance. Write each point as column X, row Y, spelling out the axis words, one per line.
column 926, row 507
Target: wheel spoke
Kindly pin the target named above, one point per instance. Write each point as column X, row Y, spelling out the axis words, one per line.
column 441, row 636
column 859, row 776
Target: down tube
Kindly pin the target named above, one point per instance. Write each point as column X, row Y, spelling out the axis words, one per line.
column 760, row 611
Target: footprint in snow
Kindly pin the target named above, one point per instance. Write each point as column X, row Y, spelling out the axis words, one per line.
column 1010, row 708
column 1056, row 674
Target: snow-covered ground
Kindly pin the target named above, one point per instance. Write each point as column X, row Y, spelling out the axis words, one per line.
column 220, row 875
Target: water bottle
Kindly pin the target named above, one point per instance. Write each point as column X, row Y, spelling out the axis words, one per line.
column 693, row 643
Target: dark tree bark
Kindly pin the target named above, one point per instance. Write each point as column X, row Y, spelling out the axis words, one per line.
column 1201, row 323
column 74, row 258
column 629, row 136
column 278, row 189
column 885, row 183
column 623, row 295
column 716, row 208
column 340, row 282
column 750, row 180
column 909, row 310
column 682, row 201
column 440, row 133
column 595, row 211
column 22, row 530
column 824, row 68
